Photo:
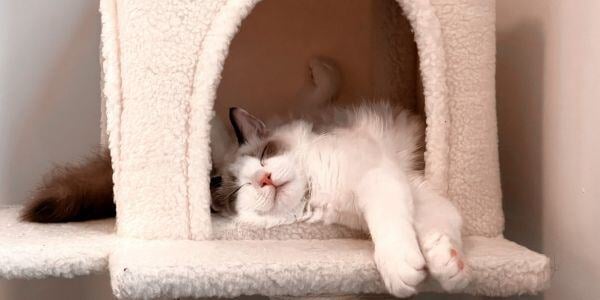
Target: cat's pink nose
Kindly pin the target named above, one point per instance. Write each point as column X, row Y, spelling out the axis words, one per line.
column 265, row 180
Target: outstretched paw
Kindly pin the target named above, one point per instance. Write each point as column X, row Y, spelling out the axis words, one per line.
column 446, row 263
column 401, row 269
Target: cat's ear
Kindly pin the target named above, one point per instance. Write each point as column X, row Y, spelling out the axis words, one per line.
column 245, row 125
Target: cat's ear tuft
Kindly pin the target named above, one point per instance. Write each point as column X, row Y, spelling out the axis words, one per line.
column 245, row 125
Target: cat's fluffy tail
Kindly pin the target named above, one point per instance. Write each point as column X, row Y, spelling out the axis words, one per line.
column 74, row 193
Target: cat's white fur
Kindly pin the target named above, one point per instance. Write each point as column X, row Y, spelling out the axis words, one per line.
column 359, row 172
column 361, row 175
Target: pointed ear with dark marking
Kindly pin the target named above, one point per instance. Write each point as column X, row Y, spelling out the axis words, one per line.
column 245, row 125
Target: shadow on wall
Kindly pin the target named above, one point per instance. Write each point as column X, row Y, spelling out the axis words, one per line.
column 83, row 287
column 520, row 106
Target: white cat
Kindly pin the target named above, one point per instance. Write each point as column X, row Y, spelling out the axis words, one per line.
column 358, row 167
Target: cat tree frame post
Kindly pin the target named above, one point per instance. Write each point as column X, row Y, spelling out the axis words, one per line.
column 162, row 62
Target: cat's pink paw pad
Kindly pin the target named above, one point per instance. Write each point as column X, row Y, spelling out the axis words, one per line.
column 446, row 263
column 459, row 261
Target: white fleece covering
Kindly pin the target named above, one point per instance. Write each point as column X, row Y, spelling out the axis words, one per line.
column 162, row 72
column 148, row 269
column 162, row 62
column 468, row 28
column 144, row 269
column 30, row 250
column 150, row 50
column 226, row 229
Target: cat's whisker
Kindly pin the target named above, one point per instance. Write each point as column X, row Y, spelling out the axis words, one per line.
column 236, row 190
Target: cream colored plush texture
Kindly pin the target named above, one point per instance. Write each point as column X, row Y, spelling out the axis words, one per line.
column 225, row 229
column 59, row 250
column 162, row 62
column 31, row 250
column 161, row 175
column 148, row 269
column 166, row 66
column 295, row 260
column 468, row 28
column 170, row 57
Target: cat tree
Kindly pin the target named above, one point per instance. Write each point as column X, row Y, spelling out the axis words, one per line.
column 162, row 63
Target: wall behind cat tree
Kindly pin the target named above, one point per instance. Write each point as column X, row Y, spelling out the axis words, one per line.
column 548, row 91
column 49, row 89
column 548, row 100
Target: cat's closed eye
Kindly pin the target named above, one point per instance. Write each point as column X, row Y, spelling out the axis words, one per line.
column 270, row 149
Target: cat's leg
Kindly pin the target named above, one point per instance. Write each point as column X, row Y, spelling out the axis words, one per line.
column 385, row 200
column 322, row 86
column 438, row 225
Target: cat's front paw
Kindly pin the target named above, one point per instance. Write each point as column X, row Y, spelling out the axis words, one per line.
column 446, row 263
column 401, row 269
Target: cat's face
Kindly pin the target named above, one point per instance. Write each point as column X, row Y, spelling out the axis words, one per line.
column 262, row 174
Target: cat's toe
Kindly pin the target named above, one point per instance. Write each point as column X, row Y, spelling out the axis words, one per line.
column 446, row 263
column 401, row 272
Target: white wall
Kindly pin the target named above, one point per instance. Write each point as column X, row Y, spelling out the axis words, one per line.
column 548, row 83
column 49, row 88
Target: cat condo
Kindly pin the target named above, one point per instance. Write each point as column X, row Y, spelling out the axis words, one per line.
column 170, row 66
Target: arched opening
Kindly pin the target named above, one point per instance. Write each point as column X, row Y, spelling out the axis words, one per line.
column 255, row 55
column 371, row 41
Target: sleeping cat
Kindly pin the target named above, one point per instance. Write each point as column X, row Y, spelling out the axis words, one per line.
column 357, row 167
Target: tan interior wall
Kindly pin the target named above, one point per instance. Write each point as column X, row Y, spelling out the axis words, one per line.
column 370, row 40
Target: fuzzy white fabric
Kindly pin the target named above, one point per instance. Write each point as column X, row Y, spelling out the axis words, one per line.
column 160, row 88
column 150, row 51
column 468, row 28
column 162, row 62
column 145, row 269
column 226, row 229
column 148, row 269
column 32, row 250
column 29, row 250
column 461, row 157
